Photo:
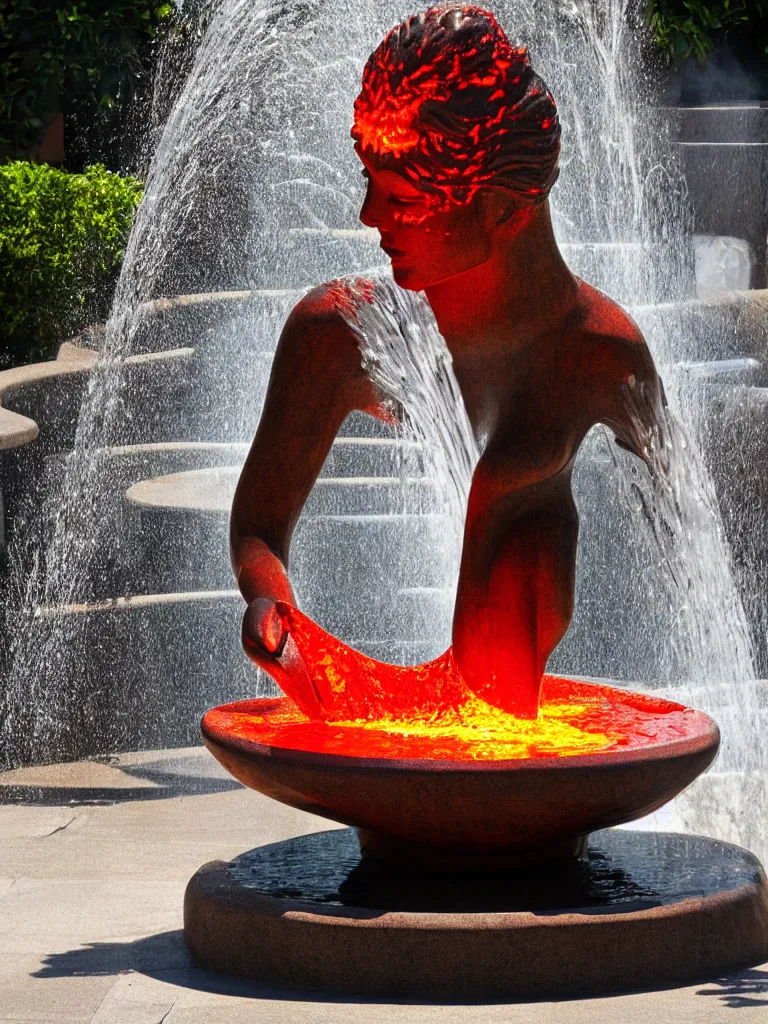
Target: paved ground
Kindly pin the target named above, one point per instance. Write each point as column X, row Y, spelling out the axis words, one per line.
column 94, row 859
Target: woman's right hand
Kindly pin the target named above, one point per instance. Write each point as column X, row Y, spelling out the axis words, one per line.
column 269, row 644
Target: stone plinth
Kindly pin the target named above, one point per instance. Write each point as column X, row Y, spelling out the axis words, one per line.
column 644, row 910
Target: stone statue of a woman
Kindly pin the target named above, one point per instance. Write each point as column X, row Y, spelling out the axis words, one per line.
column 459, row 141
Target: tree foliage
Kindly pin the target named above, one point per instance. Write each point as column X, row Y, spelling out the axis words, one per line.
column 691, row 28
column 58, row 53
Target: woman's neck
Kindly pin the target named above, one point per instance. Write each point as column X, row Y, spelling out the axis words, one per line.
column 526, row 281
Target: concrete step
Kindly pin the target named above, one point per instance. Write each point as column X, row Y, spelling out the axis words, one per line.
column 173, row 549
column 113, row 571
column 370, row 457
column 234, row 322
column 212, row 490
column 348, row 457
column 51, row 403
column 738, row 209
column 125, row 465
column 721, row 122
column 742, row 371
column 72, row 364
column 53, row 400
column 353, row 531
column 119, row 565
column 174, row 540
column 136, row 671
column 732, row 327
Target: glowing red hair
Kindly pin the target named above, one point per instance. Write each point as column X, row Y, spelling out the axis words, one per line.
column 454, row 106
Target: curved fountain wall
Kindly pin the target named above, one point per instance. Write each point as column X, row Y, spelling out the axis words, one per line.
column 122, row 623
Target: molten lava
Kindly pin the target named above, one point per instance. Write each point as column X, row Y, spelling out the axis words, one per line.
column 575, row 718
column 341, row 702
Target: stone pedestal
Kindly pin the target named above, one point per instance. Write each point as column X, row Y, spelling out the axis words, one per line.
column 642, row 910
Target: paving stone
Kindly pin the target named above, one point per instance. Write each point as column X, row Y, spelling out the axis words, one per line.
column 48, row 915
column 57, row 999
column 24, row 823
column 131, row 1013
column 115, row 860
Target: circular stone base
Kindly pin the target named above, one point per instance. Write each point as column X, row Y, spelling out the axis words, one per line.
column 644, row 910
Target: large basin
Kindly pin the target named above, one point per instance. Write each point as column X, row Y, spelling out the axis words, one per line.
column 539, row 807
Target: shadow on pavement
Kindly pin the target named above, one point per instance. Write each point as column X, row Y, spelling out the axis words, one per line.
column 747, row 988
column 164, row 957
column 172, row 776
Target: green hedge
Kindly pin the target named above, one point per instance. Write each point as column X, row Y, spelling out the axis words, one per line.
column 62, row 238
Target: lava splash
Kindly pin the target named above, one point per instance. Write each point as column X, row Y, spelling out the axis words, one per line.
column 341, row 702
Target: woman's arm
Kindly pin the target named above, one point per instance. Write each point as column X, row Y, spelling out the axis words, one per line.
column 316, row 381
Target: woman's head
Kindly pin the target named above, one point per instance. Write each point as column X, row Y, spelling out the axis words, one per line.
column 449, row 109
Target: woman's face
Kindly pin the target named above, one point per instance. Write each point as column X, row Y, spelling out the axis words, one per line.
column 425, row 244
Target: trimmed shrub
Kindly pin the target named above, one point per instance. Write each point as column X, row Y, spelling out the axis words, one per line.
column 62, row 238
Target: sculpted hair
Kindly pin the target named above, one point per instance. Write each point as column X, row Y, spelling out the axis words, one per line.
column 452, row 104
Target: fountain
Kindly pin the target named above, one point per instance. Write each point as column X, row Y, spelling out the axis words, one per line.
column 252, row 198
column 472, row 771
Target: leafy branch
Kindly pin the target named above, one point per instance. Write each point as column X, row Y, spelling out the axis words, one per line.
column 690, row 28
column 55, row 55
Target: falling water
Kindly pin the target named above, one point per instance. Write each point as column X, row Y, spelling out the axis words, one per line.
column 675, row 503
column 668, row 492
column 406, row 356
column 49, row 696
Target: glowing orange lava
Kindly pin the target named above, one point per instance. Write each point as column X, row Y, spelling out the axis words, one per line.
column 575, row 718
column 342, row 702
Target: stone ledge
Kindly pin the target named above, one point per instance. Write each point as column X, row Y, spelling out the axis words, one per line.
column 212, row 490
column 17, row 430
column 705, row 912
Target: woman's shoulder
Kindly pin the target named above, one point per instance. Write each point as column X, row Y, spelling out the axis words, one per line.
column 319, row 336
column 613, row 339
column 333, row 303
column 602, row 317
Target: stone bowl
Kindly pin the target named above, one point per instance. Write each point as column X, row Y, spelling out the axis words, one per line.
column 441, row 814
